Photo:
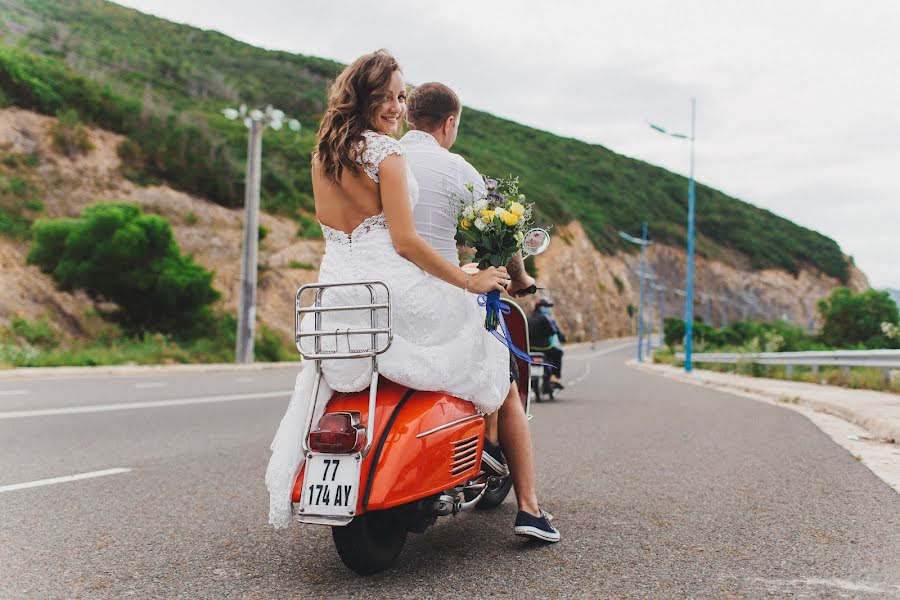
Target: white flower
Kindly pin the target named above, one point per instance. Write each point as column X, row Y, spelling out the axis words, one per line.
column 480, row 225
column 480, row 205
column 469, row 213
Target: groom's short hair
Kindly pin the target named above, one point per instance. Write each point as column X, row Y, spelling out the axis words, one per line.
column 429, row 105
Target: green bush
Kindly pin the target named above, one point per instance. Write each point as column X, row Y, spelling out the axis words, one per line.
column 115, row 252
column 855, row 319
column 673, row 330
column 309, row 227
column 37, row 333
column 69, row 136
column 270, row 346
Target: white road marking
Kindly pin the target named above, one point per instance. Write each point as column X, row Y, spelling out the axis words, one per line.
column 65, row 479
column 19, row 414
column 150, row 384
column 587, row 365
column 14, row 392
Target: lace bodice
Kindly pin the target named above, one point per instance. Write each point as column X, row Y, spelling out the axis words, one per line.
column 378, row 147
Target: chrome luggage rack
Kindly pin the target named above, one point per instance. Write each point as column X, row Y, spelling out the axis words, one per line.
column 318, row 354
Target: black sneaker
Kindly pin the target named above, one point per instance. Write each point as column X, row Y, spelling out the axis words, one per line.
column 538, row 528
column 492, row 459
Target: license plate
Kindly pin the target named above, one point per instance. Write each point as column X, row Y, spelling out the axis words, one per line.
column 537, row 371
column 331, row 485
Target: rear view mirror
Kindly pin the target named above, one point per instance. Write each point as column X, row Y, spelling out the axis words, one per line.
column 535, row 242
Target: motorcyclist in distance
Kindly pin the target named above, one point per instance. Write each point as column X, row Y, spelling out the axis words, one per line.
column 545, row 336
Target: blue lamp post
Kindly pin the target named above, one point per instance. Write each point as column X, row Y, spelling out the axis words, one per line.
column 689, row 299
column 643, row 243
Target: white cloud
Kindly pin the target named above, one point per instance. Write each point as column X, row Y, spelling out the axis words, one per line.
column 797, row 101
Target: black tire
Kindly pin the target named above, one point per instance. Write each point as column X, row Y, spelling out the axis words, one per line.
column 495, row 495
column 370, row 543
column 536, row 386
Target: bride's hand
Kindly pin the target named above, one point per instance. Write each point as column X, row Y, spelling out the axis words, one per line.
column 488, row 280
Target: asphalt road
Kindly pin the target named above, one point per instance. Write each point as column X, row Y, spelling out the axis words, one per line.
column 660, row 489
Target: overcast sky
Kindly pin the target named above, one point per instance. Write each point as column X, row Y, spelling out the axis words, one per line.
column 798, row 102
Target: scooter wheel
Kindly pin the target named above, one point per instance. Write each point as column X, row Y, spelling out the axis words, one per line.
column 495, row 495
column 370, row 543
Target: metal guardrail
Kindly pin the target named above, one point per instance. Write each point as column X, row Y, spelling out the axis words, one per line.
column 874, row 359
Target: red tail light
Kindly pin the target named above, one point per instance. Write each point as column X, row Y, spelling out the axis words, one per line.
column 338, row 433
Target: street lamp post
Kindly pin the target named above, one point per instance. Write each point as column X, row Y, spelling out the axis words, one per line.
column 256, row 121
column 661, row 303
column 689, row 299
column 643, row 243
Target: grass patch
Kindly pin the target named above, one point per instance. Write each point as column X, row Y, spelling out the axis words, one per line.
column 113, row 347
column 296, row 264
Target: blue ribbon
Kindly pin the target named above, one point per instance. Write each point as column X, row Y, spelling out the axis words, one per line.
column 493, row 306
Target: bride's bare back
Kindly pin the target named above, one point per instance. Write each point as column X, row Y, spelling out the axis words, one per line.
column 344, row 205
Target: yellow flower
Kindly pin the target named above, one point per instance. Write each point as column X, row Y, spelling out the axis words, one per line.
column 510, row 219
column 487, row 215
column 465, row 224
column 517, row 209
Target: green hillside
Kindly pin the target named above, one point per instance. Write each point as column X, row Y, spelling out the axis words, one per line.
column 163, row 85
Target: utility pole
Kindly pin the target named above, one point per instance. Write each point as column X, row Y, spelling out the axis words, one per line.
column 256, row 122
column 661, row 303
column 689, row 299
column 643, row 242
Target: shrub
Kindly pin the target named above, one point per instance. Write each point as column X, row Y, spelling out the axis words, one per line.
column 270, row 346
column 856, row 319
column 37, row 333
column 674, row 330
column 309, row 227
column 68, row 134
column 296, row 264
column 191, row 218
column 115, row 252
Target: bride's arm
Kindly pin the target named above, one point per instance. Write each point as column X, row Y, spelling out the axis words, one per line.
column 408, row 243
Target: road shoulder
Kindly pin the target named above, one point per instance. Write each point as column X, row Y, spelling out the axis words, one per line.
column 865, row 423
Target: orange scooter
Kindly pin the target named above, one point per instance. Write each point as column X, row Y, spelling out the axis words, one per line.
column 390, row 460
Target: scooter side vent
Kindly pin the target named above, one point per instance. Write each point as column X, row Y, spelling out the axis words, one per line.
column 464, row 455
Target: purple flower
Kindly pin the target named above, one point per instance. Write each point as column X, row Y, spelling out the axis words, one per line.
column 495, row 199
column 490, row 184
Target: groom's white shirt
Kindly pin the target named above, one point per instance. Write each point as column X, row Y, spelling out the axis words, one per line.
column 442, row 177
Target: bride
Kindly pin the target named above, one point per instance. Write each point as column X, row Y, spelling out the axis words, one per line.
column 364, row 197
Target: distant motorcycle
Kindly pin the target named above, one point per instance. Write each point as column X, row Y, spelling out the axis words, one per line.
column 541, row 384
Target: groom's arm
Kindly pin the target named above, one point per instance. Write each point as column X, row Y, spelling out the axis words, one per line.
column 519, row 277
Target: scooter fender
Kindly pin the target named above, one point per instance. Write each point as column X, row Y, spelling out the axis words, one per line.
column 424, row 443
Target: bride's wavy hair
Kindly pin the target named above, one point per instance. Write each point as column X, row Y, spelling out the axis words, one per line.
column 353, row 99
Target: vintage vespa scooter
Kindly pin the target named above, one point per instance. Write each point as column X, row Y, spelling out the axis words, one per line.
column 389, row 460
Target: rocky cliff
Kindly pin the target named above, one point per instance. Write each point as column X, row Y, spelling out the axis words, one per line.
column 592, row 290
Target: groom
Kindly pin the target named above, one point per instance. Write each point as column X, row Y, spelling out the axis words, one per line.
column 433, row 112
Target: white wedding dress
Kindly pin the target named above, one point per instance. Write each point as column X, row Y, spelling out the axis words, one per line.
column 439, row 340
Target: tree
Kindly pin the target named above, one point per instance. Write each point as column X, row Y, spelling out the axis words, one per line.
column 115, row 252
column 855, row 319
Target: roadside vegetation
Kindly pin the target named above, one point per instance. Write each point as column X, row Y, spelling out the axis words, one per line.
column 20, row 201
column 865, row 321
column 157, row 303
column 163, row 86
column 35, row 343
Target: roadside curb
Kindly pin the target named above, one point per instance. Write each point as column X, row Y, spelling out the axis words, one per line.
column 876, row 412
column 132, row 370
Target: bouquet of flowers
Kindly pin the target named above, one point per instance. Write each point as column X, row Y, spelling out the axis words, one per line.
column 494, row 226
